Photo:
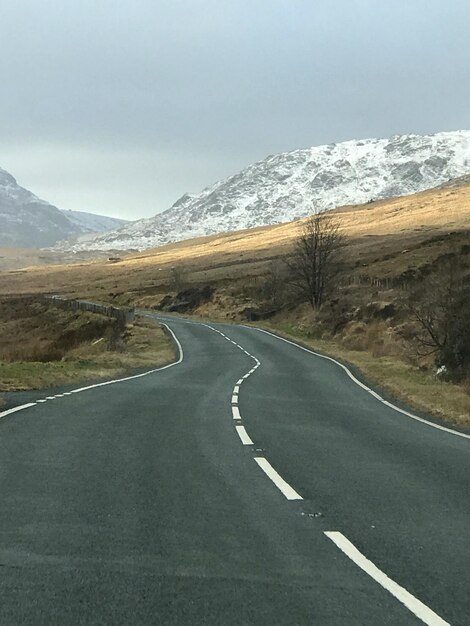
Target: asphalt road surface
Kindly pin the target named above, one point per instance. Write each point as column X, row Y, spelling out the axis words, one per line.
column 251, row 482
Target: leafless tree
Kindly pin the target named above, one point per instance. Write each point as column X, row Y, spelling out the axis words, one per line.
column 274, row 283
column 440, row 306
column 315, row 261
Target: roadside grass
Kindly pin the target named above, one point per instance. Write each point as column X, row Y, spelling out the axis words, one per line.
column 147, row 347
column 386, row 239
column 422, row 390
column 43, row 346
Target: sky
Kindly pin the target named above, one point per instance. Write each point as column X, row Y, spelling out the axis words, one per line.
column 119, row 107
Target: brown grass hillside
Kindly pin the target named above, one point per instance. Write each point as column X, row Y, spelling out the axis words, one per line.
column 390, row 243
column 42, row 345
column 386, row 237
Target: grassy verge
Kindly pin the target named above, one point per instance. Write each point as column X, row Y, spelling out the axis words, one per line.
column 147, row 346
column 421, row 390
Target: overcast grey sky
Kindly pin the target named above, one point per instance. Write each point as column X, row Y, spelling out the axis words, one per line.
column 121, row 106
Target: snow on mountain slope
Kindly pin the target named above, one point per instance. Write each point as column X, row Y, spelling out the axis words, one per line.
column 91, row 223
column 26, row 221
column 291, row 185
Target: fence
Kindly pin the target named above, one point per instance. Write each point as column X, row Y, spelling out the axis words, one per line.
column 396, row 282
column 125, row 315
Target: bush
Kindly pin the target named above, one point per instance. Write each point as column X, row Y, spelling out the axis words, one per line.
column 440, row 307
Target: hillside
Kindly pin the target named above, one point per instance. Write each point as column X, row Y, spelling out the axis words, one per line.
column 290, row 185
column 92, row 223
column 387, row 238
column 392, row 246
column 26, row 221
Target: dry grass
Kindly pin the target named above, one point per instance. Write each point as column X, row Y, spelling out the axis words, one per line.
column 16, row 259
column 43, row 346
column 420, row 389
column 386, row 238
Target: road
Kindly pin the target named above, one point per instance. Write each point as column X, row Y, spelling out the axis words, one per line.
column 251, row 482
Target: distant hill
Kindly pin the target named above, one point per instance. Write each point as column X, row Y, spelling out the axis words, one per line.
column 290, row 185
column 91, row 223
column 26, row 221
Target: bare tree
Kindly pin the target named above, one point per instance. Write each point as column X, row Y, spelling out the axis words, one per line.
column 440, row 306
column 274, row 282
column 314, row 263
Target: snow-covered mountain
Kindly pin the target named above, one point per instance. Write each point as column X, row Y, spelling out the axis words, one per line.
column 91, row 223
column 26, row 221
column 293, row 184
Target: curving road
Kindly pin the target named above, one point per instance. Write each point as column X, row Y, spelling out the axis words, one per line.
column 252, row 482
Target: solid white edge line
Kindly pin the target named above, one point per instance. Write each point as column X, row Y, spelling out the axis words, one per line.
column 108, row 382
column 236, row 413
column 280, row 483
column 158, row 369
column 358, row 382
column 245, row 439
column 424, row 613
column 17, row 408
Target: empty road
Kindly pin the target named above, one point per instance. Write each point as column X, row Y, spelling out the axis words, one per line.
column 250, row 482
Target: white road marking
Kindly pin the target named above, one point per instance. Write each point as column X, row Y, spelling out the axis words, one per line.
column 45, row 400
column 16, row 408
column 414, row 605
column 245, row 439
column 108, row 382
column 280, row 483
column 158, row 369
column 358, row 382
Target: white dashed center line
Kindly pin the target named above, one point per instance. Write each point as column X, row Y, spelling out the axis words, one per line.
column 236, row 413
column 245, row 439
column 285, row 488
column 414, row 605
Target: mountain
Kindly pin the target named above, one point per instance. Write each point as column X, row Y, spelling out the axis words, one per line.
column 290, row 185
column 91, row 223
column 26, row 221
